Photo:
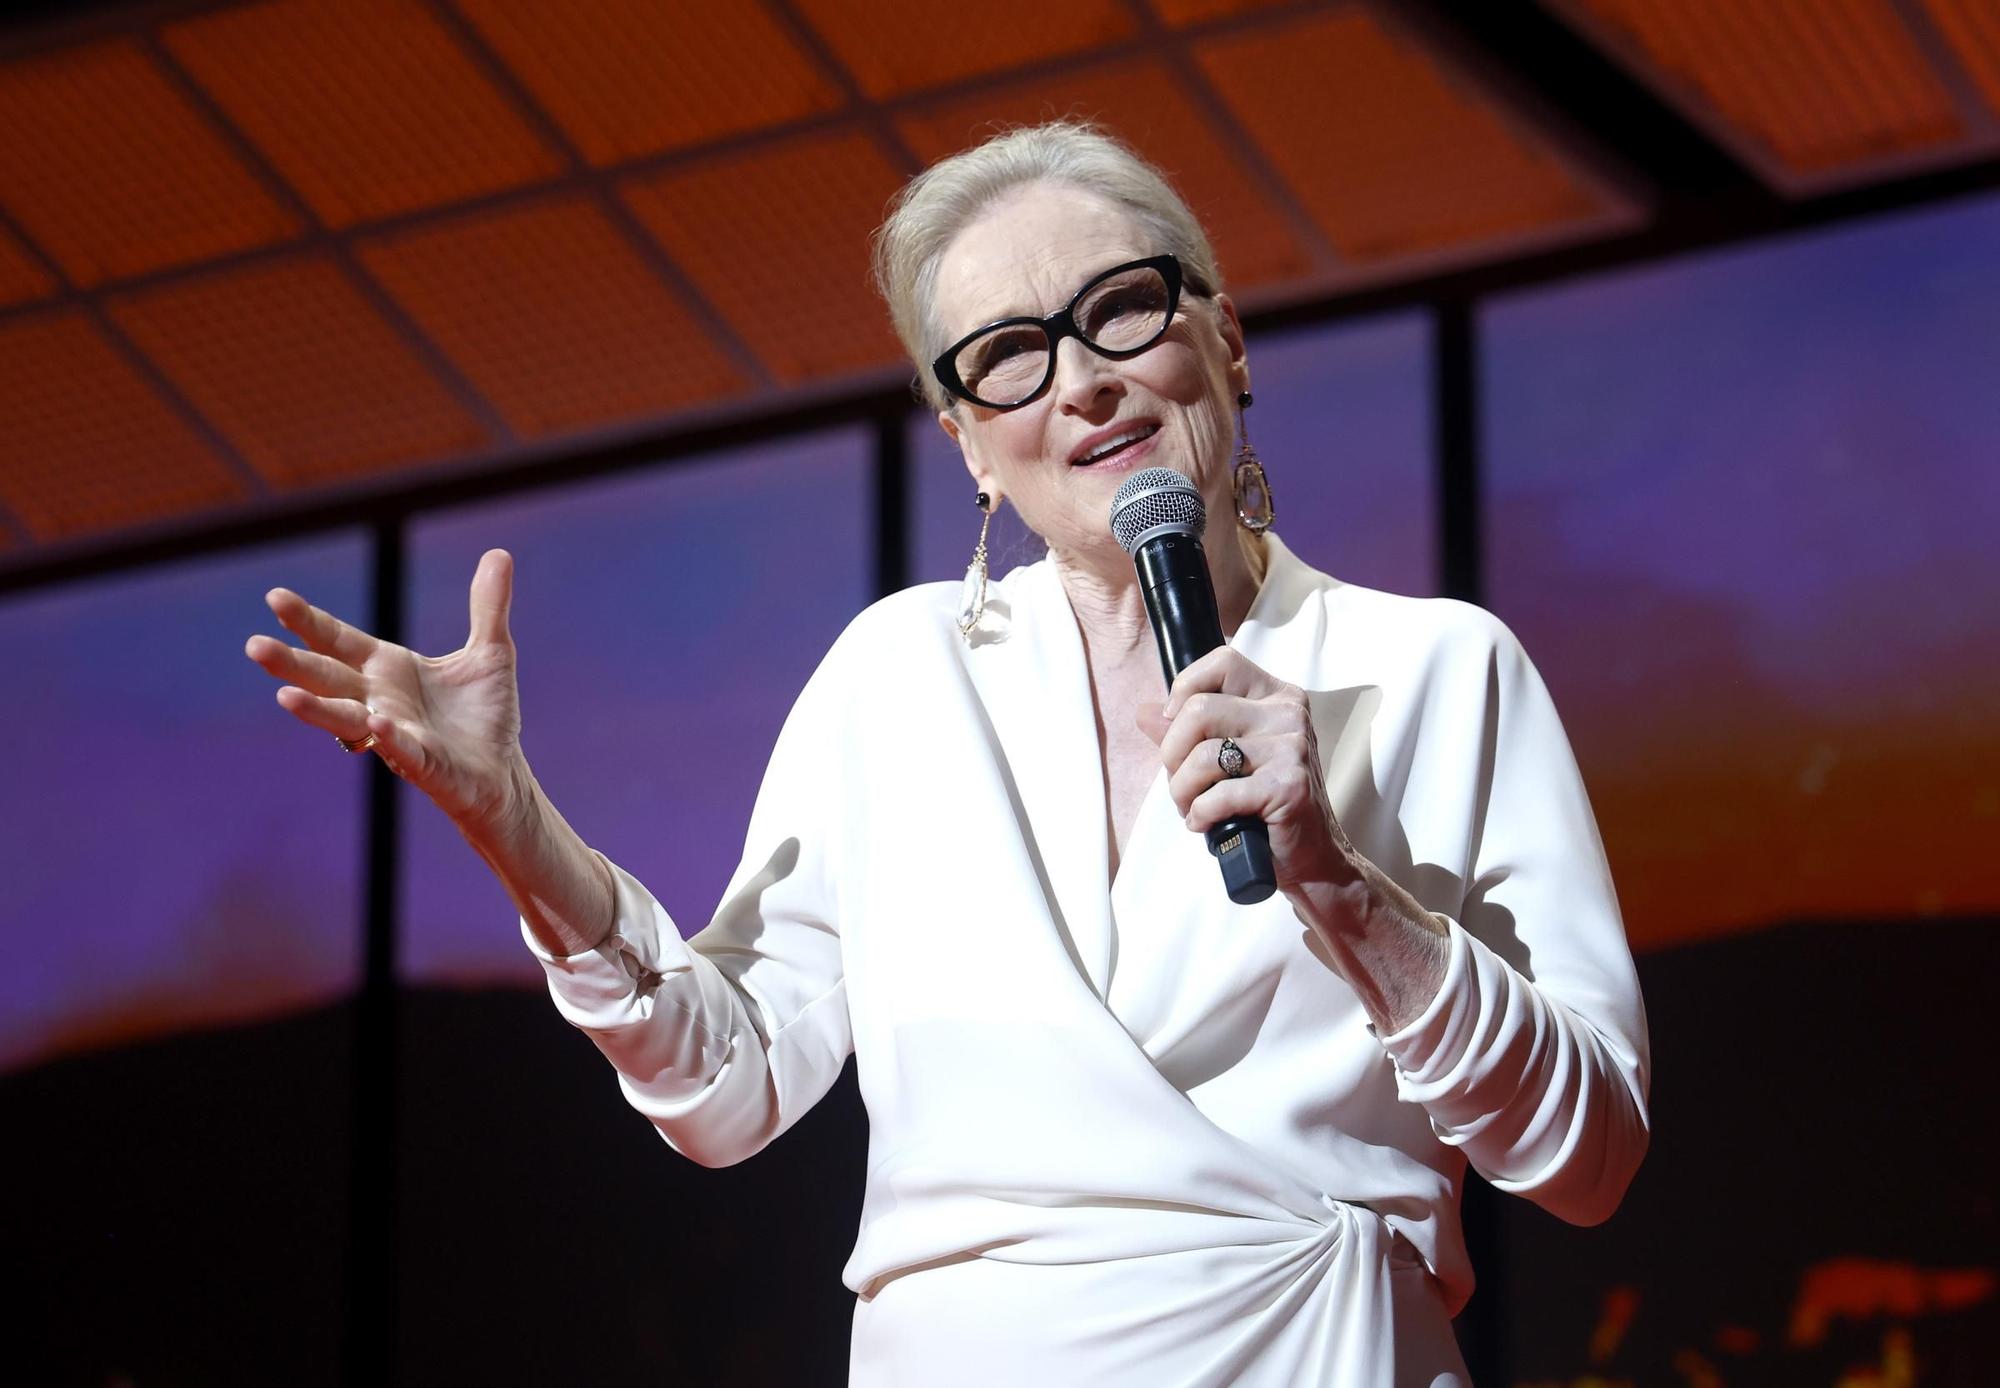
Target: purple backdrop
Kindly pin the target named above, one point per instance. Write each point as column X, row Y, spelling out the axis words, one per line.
column 180, row 852
column 665, row 624
column 1741, row 509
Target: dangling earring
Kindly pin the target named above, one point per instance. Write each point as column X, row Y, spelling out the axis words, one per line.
column 1254, row 508
column 972, row 597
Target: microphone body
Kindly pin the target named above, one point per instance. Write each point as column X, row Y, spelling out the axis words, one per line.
column 1159, row 517
column 1180, row 599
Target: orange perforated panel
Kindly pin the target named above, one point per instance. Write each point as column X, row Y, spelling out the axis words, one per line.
column 1389, row 153
column 553, row 316
column 1181, row 13
column 366, row 107
column 897, row 46
column 21, row 278
column 1819, row 83
column 1143, row 104
column 90, row 446
column 298, row 372
column 626, row 78
column 113, row 173
column 1972, row 27
column 778, row 241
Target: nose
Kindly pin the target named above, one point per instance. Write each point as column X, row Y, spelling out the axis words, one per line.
column 1084, row 381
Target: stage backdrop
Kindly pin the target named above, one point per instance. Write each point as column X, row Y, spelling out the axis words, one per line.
column 180, row 904
column 1739, row 509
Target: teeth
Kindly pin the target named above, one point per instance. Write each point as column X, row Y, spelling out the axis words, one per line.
column 1113, row 445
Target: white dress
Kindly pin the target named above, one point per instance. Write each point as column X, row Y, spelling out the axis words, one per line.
column 1129, row 1133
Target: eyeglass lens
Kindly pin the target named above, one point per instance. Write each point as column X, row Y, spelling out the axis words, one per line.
column 1119, row 314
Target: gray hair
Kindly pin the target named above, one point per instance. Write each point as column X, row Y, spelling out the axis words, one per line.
column 941, row 201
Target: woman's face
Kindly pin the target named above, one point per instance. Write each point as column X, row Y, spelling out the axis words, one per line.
column 1028, row 254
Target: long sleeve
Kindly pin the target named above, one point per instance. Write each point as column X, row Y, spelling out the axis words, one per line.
column 1533, row 1057
column 725, row 1039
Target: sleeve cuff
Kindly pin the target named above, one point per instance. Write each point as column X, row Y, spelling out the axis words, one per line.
column 598, row 988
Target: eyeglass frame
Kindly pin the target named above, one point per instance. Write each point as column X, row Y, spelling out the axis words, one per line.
column 1062, row 324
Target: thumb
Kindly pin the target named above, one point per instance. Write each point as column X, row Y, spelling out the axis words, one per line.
column 492, row 595
column 1152, row 720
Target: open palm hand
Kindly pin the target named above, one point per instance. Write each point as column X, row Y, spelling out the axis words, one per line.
column 450, row 725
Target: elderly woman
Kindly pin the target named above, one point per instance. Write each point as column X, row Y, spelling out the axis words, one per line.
column 1123, row 1131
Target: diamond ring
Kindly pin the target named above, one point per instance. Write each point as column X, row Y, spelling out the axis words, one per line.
column 1231, row 759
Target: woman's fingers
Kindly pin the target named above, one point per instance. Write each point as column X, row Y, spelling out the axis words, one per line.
column 1223, row 670
column 1214, row 716
column 346, row 718
column 1202, row 768
column 1267, row 794
column 401, row 745
column 321, row 630
column 492, row 596
column 318, row 674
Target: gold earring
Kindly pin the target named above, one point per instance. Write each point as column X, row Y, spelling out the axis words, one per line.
column 1254, row 508
column 972, row 597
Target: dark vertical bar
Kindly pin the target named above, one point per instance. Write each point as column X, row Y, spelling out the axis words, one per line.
column 892, row 502
column 1482, row 1327
column 369, row 1350
column 1455, row 403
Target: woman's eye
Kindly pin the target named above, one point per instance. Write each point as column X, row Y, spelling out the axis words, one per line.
column 1124, row 305
column 1116, row 304
column 1000, row 349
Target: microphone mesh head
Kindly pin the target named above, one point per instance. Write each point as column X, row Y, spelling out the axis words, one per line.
column 1154, row 500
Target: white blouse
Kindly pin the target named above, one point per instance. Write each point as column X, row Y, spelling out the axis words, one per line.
column 1126, row 1132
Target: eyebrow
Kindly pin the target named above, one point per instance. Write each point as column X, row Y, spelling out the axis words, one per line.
column 1039, row 314
column 1034, row 313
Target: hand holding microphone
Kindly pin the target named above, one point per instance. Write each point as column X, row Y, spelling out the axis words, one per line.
column 1158, row 518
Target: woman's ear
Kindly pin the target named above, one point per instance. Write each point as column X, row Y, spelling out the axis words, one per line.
column 982, row 479
column 1232, row 337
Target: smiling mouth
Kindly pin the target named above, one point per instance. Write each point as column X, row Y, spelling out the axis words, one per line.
column 1113, row 448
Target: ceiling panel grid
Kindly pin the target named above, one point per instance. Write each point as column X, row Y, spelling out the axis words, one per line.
column 1389, row 154
column 1140, row 99
column 552, row 315
column 896, row 47
column 22, row 279
column 366, row 108
column 1815, row 95
column 627, row 79
column 1972, row 29
column 113, row 173
column 332, row 246
column 293, row 365
column 804, row 306
column 90, row 445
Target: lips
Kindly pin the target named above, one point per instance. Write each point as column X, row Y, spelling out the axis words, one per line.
column 1112, row 443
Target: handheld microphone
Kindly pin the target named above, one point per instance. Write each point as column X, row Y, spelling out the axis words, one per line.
column 1158, row 518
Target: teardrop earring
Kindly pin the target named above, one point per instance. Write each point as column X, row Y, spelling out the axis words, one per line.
column 972, row 596
column 1254, row 508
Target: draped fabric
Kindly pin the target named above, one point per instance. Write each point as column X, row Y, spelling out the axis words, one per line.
column 1125, row 1131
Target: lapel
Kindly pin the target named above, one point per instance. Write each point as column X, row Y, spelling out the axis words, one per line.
column 1027, row 664
column 1284, row 633
column 1030, row 673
